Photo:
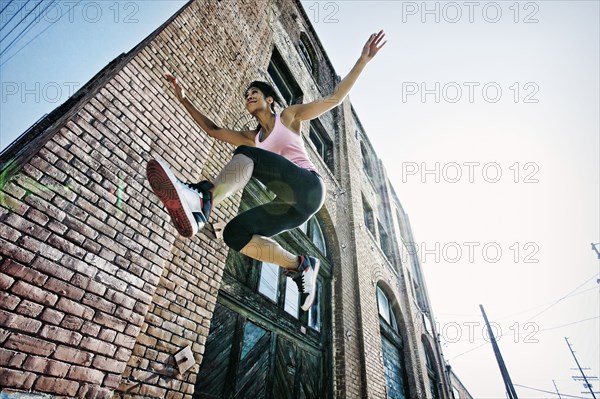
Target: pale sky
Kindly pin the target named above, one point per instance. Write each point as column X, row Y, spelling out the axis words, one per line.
column 514, row 136
column 541, row 212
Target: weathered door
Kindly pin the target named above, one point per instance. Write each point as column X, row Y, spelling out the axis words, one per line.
column 245, row 360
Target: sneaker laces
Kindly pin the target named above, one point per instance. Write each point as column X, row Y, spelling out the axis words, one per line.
column 203, row 189
column 298, row 275
column 192, row 186
column 298, row 278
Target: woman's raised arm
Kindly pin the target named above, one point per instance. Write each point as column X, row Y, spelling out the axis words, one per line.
column 234, row 137
column 303, row 112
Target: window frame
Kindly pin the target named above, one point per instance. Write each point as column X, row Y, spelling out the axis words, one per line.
column 284, row 80
column 317, row 133
column 369, row 218
column 393, row 333
column 308, row 55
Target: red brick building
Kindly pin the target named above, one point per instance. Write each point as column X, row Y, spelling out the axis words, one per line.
column 98, row 294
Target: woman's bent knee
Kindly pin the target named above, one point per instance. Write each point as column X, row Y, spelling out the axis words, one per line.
column 247, row 151
column 235, row 237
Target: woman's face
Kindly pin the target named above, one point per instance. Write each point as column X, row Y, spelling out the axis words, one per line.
column 256, row 101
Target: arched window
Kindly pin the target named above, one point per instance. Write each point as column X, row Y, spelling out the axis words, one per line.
column 313, row 230
column 392, row 348
column 307, row 53
column 260, row 343
column 432, row 375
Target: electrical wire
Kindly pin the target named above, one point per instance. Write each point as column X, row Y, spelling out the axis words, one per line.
column 518, row 333
column 564, row 325
column 553, row 393
column 524, row 323
column 564, row 297
column 22, row 19
column 25, row 31
column 572, row 292
column 514, row 314
column 7, row 4
column 11, row 18
column 36, row 36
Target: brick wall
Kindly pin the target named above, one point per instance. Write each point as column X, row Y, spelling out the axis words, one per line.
column 97, row 291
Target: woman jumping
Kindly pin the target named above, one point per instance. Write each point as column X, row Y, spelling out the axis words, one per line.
column 275, row 155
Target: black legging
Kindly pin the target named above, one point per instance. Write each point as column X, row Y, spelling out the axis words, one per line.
column 300, row 194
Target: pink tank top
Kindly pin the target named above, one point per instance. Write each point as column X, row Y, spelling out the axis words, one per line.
column 286, row 143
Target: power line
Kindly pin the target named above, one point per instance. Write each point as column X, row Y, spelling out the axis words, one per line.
column 22, row 19
column 523, row 311
column 7, row 4
column 532, row 332
column 11, row 18
column 570, row 324
column 553, row 393
column 470, row 350
column 585, row 377
column 564, row 297
column 555, row 387
column 553, row 302
column 36, row 36
column 24, row 31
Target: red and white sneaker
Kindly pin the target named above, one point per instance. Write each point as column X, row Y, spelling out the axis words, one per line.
column 189, row 205
column 306, row 280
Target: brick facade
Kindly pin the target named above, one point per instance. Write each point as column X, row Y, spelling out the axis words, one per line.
column 97, row 290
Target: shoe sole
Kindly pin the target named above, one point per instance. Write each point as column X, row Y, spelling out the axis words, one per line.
column 162, row 181
column 311, row 297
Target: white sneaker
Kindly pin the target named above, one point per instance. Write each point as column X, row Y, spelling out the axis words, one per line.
column 188, row 206
column 306, row 280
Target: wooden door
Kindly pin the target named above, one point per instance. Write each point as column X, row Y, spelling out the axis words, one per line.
column 245, row 360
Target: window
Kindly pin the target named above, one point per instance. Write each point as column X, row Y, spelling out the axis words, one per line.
column 385, row 310
column 284, row 80
column 427, row 323
column 431, row 373
column 304, row 227
column 366, row 160
column 411, row 285
column 313, row 230
column 307, row 53
column 316, row 235
column 314, row 313
column 369, row 218
column 252, row 335
column 401, row 227
column 269, row 277
column 419, row 293
column 392, row 349
column 385, row 243
column 292, row 297
column 322, row 143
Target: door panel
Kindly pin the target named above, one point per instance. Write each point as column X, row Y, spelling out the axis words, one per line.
column 253, row 368
column 392, row 362
column 245, row 360
column 212, row 377
column 286, row 369
column 310, row 377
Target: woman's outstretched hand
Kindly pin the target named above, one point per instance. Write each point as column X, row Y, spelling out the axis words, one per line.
column 179, row 91
column 373, row 46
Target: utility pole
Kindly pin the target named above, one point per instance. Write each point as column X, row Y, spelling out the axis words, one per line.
column 595, row 249
column 587, row 384
column 558, row 393
column 510, row 389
